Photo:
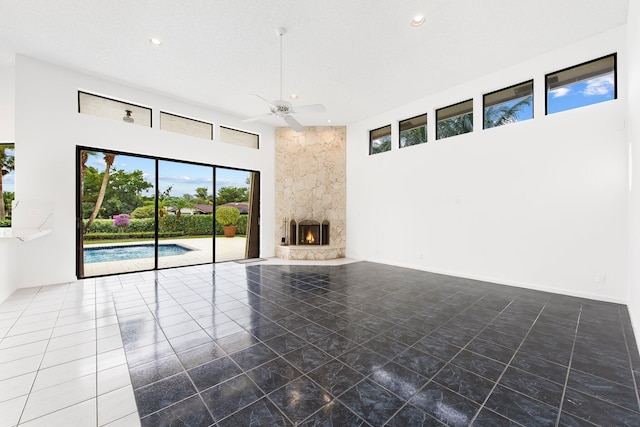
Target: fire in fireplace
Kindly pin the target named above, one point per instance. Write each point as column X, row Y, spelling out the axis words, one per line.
column 309, row 232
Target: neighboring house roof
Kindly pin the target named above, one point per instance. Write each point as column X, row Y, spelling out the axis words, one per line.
column 242, row 207
column 203, row 209
column 183, row 211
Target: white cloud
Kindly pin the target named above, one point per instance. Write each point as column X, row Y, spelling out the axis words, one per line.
column 561, row 91
column 599, row 86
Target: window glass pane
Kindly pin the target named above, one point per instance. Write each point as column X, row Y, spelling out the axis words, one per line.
column 509, row 105
column 111, row 109
column 380, row 140
column 178, row 124
column 239, row 137
column 7, row 182
column 454, row 120
column 118, row 213
column 582, row 85
column 413, row 131
column 232, row 207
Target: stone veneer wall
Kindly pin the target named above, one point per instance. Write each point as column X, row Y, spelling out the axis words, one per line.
column 310, row 174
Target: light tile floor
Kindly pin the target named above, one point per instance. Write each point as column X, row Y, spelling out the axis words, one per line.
column 61, row 357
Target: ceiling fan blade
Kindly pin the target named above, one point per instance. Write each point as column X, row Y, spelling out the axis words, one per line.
column 293, row 123
column 268, row 102
column 314, row 108
column 253, row 119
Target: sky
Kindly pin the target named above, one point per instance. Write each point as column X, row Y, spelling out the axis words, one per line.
column 184, row 177
column 582, row 93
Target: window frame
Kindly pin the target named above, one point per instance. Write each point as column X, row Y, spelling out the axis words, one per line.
column 484, row 102
column 119, row 101
column 547, row 85
column 371, row 139
column 257, row 147
column 11, row 145
column 452, row 116
column 426, row 130
column 211, row 125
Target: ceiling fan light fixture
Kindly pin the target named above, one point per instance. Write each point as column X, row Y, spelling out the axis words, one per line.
column 417, row 20
column 127, row 116
column 283, row 109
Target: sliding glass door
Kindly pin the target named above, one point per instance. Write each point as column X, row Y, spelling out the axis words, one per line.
column 186, row 226
column 138, row 213
column 236, row 205
column 116, row 219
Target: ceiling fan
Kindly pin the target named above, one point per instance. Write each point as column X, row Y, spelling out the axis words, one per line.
column 284, row 109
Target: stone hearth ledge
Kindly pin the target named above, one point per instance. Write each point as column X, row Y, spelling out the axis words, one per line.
column 309, row 252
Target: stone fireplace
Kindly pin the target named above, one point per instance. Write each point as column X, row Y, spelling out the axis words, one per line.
column 310, row 193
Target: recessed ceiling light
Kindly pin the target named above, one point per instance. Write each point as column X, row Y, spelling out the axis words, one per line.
column 417, row 20
column 156, row 42
column 293, row 96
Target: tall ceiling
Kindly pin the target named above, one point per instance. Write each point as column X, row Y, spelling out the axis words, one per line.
column 357, row 57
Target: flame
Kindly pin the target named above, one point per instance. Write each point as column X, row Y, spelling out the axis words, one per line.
column 309, row 238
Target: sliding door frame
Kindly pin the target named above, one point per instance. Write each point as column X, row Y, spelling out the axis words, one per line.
column 157, row 159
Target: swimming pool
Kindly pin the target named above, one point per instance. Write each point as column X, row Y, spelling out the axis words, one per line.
column 124, row 252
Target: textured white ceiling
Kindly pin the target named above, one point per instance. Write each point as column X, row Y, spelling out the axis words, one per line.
column 357, row 57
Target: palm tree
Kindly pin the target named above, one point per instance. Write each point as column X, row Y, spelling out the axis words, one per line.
column 455, row 125
column 7, row 164
column 414, row 136
column 501, row 115
column 109, row 158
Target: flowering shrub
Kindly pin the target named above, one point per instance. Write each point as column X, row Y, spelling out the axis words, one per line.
column 121, row 221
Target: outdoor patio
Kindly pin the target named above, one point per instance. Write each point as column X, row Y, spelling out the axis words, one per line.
column 227, row 249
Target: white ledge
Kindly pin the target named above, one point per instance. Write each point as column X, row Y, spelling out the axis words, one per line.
column 22, row 234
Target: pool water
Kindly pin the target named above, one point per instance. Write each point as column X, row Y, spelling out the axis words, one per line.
column 119, row 253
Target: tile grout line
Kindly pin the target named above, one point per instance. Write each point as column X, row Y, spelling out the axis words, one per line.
column 430, row 380
column 35, row 378
column 495, row 384
column 186, row 372
column 626, row 343
column 566, row 380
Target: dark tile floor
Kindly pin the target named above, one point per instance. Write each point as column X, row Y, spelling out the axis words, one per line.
column 370, row 344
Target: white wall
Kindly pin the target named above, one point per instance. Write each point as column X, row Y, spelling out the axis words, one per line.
column 540, row 203
column 48, row 128
column 634, row 144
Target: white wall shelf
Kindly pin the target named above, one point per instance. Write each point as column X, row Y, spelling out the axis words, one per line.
column 22, row 234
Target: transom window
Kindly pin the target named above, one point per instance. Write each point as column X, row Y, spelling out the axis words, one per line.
column 380, row 140
column 509, row 105
column 454, row 120
column 586, row 84
column 413, row 131
column 101, row 106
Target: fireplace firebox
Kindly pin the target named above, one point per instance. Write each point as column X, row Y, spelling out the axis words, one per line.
column 309, row 232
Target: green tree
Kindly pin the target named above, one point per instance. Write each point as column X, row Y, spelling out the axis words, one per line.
column 414, row 136
column 202, row 196
column 455, row 125
column 232, row 194
column 501, row 115
column 109, row 158
column 7, row 164
column 381, row 145
column 122, row 195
